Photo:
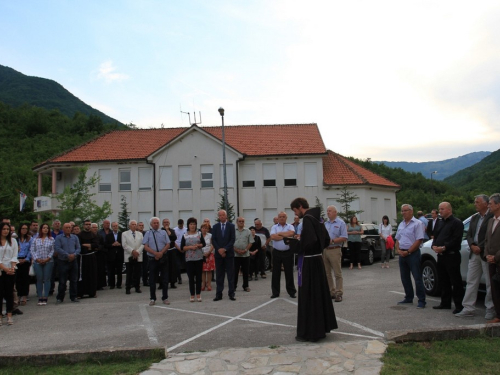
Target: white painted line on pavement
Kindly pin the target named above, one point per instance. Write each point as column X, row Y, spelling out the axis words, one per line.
column 148, row 325
column 218, row 326
column 426, row 298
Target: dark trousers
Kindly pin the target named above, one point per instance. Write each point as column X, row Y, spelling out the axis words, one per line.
column 354, row 250
column 495, row 288
column 224, row 266
column 194, row 269
column 7, row 291
column 242, row 263
column 23, row 279
column 448, row 267
column 261, row 260
column 156, row 267
column 114, row 270
column 67, row 270
column 145, row 268
column 284, row 258
column 410, row 266
column 133, row 272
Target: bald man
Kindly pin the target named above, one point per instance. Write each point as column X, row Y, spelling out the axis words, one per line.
column 447, row 243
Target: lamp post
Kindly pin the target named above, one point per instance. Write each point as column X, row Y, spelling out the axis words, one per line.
column 221, row 111
column 432, row 186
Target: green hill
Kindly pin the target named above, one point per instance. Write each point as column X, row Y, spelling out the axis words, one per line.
column 481, row 178
column 17, row 89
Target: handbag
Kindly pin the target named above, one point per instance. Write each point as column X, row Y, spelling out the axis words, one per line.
column 389, row 243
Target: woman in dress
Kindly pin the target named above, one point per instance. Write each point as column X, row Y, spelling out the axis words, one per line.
column 8, row 262
column 192, row 243
column 354, row 232
column 385, row 230
column 23, row 267
column 209, row 263
column 42, row 249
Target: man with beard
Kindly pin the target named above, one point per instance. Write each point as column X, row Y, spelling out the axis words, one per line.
column 89, row 244
column 316, row 315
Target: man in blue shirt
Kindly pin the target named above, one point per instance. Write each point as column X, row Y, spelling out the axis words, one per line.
column 67, row 247
column 408, row 240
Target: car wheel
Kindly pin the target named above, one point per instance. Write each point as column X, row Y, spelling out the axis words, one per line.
column 430, row 278
column 267, row 262
column 370, row 257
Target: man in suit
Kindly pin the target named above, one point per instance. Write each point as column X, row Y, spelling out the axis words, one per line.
column 492, row 252
column 223, row 237
column 132, row 248
column 432, row 223
column 115, row 256
column 477, row 264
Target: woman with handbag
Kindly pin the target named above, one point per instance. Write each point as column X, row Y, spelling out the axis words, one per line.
column 192, row 243
column 42, row 249
column 8, row 262
column 23, row 267
column 385, row 231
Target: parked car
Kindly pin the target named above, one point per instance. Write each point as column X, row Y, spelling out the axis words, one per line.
column 370, row 245
column 428, row 261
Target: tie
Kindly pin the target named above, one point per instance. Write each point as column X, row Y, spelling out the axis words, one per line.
column 133, row 234
column 223, row 227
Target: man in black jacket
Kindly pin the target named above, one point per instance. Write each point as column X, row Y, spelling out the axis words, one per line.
column 115, row 256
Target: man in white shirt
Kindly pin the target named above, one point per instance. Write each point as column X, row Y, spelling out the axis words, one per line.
column 132, row 247
column 282, row 255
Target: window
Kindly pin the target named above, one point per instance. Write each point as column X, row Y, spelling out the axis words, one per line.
column 207, row 176
column 185, row 177
column 248, row 175
column 229, row 175
column 269, row 174
column 311, row 174
column 104, row 180
column 125, row 180
column 145, row 178
column 166, row 178
column 290, row 173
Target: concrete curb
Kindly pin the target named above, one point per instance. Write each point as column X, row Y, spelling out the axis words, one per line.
column 451, row 333
column 74, row 356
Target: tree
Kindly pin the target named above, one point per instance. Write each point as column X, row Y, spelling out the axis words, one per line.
column 320, row 205
column 230, row 209
column 123, row 217
column 345, row 200
column 76, row 201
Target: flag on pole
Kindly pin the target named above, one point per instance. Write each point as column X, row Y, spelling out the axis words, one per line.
column 22, row 200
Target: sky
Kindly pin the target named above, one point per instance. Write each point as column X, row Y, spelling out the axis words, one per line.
column 386, row 80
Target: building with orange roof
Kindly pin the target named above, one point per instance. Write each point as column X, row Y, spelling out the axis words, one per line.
column 177, row 172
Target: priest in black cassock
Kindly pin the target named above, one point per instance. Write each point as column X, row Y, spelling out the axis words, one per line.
column 316, row 316
column 87, row 262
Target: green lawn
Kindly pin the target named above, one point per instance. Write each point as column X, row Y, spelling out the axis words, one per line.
column 469, row 356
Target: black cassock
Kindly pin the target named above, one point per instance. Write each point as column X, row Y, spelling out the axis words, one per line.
column 87, row 265
column 316, row 315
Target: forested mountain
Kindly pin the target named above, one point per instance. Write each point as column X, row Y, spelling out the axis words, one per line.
column 28, row 136
column 481, row 178
column 17, row 89
column 445, row 168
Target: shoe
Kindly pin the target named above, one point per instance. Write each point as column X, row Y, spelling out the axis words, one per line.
column 232, row 298
column 10, row 321
column 350, row 267
column 495, row 320
column 293, row 296
column 217, row 299
column 405, row 302
column 464, row 314
column 74, row 300
column 387, row 266
column 209, row 288
column 421, row 305
column 441, row 307
column 17, row 312
column 456, row 311
column 44, row 301
column 173, row 286
column 246, row 289
column 23, row 302
column 40, row 303
column 203, row 288
column 166, row 302
column 359, row 267
column 138, row 290
column 383, row 266
column 127, row 291
column 152, row 302
column 191, row 299
column 489, row 315
column 275, row 296
column 300, row 339
column 58, row 301
column 263, row 276
column 199, row 299
column 338, row 298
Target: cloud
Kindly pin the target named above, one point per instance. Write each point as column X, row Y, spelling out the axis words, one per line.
column 107, row 73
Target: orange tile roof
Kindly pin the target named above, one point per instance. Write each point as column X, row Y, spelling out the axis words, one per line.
column 338, row 170
column 254, row 140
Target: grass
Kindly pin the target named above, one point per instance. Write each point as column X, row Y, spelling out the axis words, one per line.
column 469, row 356
column 108, row 367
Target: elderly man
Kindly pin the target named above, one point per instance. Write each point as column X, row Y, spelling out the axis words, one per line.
column 332, row 255
column 492, row 253
column 132, row 248
column 242, row 244
column 408, row 240
column 115, row 256
column 282, row 255
column 68, row 248
column 447, row 244
column 223, row 237
column 477, row 265
column 156, row 243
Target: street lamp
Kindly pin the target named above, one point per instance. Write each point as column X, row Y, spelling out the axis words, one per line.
column 221, row 111
column 432, row 186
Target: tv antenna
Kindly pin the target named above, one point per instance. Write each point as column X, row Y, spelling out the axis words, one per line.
column 194, row 114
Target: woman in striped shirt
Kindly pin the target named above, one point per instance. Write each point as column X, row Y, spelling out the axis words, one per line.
column 42, row 249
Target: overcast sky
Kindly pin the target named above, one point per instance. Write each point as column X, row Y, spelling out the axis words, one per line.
column 387, row 80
